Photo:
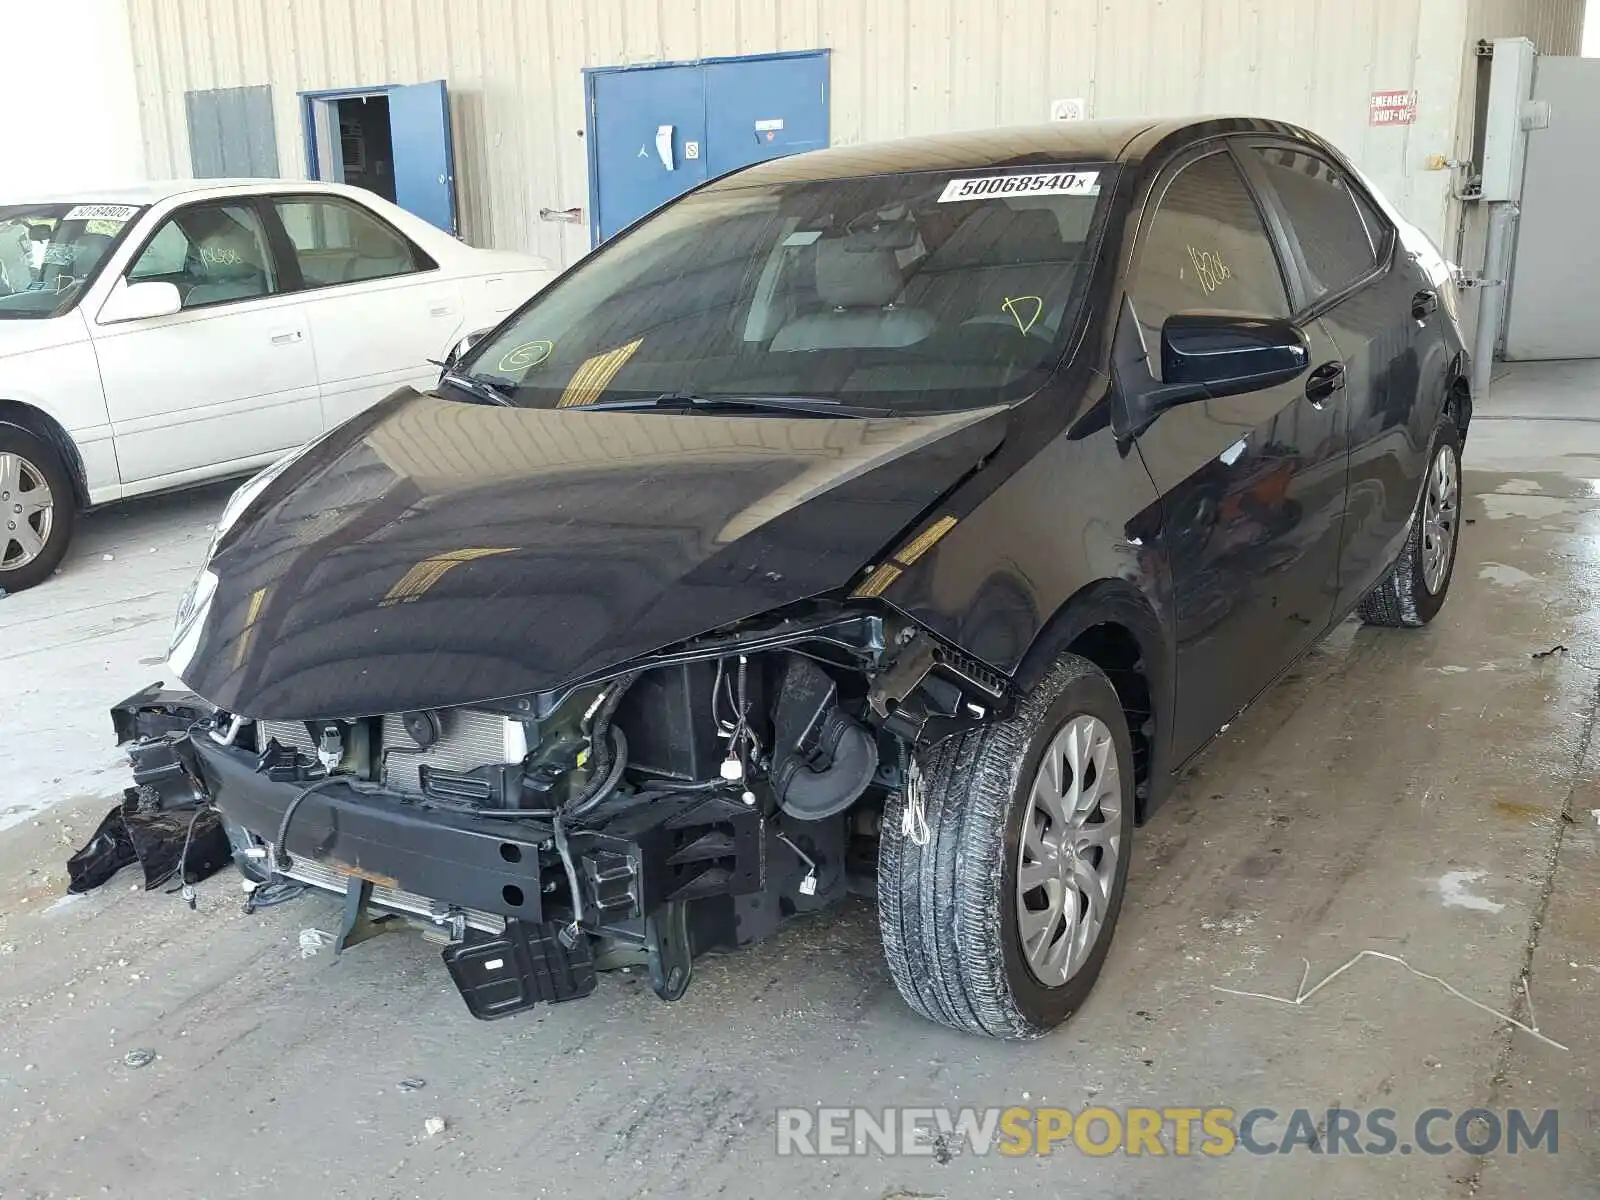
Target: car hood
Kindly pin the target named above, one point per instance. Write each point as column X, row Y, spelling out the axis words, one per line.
column 433, row 553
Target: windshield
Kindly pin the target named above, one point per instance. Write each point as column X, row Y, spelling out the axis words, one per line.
column 912, row 293
column 49, row 253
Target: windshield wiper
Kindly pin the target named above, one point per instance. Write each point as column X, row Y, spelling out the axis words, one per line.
column 807, row 406
column 494, row 391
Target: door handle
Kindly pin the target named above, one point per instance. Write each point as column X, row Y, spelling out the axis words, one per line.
column 1324, row 382
column 664, row 145
column 1424, row 304
column 286, row 337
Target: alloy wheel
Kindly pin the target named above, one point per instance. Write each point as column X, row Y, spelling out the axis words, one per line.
column 1440, row 510
column 27, row 512
column 1070, row 844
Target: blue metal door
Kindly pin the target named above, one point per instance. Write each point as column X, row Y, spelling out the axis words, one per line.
column 424, row 163
column 658, row 131
column 648, row 142
column 764, row 108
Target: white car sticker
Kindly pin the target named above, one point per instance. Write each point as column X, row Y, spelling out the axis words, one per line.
column 1054, row 183
column 102, row 212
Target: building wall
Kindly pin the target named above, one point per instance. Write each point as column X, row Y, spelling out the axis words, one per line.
column 898, row 67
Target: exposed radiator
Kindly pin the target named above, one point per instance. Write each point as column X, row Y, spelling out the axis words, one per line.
column 467, row 740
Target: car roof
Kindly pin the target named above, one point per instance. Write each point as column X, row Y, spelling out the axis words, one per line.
column 155, row 191
column 1106, row 140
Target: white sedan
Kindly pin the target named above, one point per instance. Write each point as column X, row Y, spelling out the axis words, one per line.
column 162, row 336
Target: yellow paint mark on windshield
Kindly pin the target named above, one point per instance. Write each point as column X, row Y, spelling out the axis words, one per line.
column 595, row 375
column 528, row 354
column 1024, row 323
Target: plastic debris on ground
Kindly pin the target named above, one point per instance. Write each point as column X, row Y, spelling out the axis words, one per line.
column 434, row 1126
column 312, row 942
column 412, row 1084
column 139, row 1058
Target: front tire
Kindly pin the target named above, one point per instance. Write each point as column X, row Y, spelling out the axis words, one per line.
column 1001, row 922
column 1414, row 590
column 37, row 509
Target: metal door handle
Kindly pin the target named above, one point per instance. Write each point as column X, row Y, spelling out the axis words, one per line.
column 664, row 145
column 1424, row 304
column 286, row 338
column 1324, row 382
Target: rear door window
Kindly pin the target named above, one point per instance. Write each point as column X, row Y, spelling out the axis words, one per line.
column 337, row 241
column 1206, row 250
column 1337, row 244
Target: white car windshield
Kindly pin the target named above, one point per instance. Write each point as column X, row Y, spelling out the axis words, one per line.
column 49, row 253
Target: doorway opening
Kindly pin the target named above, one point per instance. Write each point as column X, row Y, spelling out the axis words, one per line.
column 355, row 144
column 366, row 147
column 392, row 140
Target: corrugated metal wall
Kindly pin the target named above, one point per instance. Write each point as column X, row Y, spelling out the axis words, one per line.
column 898, row 67
column 1555, row 26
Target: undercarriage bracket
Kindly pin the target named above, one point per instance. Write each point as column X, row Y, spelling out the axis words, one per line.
column 671, row 960
column 359, row 925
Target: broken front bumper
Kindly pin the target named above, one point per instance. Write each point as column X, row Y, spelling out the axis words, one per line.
column 672, row 877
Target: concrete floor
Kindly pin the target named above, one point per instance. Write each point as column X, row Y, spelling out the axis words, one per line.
column 1431, row 795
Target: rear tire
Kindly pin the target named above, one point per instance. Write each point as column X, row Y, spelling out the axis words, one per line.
column 951, row 912
column 1414, row 590
column 37, row 509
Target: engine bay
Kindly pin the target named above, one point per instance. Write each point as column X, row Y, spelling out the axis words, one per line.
column 690, row 801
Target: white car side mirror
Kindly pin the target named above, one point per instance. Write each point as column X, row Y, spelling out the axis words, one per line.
column 136, row 301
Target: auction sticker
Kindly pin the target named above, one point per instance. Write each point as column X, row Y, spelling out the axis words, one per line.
column 102, row 212
column 1055, row 183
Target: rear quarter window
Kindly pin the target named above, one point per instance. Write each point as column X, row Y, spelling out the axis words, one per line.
column 1337, row 242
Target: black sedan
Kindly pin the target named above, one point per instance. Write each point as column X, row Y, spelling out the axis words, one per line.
column 894, row 519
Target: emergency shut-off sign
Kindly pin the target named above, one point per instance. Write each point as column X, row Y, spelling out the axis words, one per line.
column 1392, row 108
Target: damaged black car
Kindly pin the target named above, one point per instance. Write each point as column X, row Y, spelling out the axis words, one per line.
column 891, row 520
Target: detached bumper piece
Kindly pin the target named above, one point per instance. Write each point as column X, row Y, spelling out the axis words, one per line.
column 164, row 822
column 499, row 976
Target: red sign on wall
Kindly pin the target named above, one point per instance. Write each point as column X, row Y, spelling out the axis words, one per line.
column 1393, row 108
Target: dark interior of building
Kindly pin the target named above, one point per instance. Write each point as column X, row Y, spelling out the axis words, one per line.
column 365, row 144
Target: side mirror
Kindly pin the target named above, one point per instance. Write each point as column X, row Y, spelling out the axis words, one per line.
column 137, row 301
column 1225, row 355
column 459, row 350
